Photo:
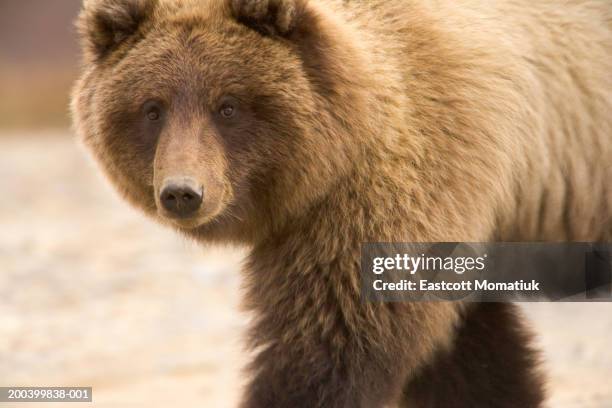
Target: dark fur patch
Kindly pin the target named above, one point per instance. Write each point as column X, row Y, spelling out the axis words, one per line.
column 491, row 365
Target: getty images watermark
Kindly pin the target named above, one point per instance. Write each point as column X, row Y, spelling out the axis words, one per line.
column 486, row 272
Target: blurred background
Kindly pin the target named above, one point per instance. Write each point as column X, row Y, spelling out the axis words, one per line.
column 94, row 294
column 38, row 62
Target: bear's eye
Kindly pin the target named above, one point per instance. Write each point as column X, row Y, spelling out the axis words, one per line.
column 227, row 111
column 152, row 111
column 153, row 115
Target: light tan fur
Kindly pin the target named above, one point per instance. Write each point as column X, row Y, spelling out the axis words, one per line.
column 363, row 121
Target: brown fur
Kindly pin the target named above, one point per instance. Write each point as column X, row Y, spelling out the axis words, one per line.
column 494, row 354
column 400, row 120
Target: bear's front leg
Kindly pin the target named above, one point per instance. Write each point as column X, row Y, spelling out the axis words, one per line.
column 317, row 375
column 491, row 364
column 320, row 346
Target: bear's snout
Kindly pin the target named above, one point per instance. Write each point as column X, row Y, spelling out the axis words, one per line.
column 181, row 197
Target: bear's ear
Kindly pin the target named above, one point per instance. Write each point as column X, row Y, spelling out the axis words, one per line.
column 105, row 24
column 269, row 17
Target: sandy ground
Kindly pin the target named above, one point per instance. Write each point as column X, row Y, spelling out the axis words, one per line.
column 93, row 294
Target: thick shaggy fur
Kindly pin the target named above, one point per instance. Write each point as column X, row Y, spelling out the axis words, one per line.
column 486, row 367
column 398, row 120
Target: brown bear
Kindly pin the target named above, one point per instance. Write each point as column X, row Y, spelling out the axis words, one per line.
column 304, row 128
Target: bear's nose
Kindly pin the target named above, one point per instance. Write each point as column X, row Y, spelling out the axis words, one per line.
column 181, row 197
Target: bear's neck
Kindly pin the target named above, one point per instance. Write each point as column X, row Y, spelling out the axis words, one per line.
column 328, row 235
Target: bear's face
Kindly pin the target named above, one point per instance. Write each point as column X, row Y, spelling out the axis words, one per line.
column 205, row 118
column 194, row 116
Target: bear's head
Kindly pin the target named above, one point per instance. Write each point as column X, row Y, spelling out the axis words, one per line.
column 220, row 117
